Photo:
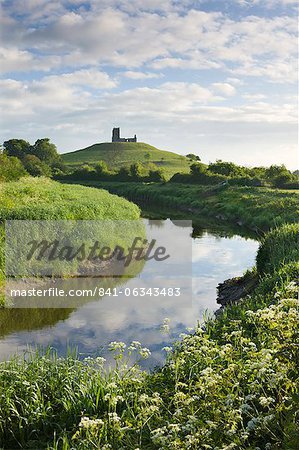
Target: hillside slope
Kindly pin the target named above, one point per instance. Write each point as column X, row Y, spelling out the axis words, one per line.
column 125, row 153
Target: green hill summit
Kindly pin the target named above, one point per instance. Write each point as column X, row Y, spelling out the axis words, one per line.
column 122, row 152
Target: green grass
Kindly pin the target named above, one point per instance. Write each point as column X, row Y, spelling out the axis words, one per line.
column 270, row 256
column 257, row 208
column 121, row 154
column 41, row 199
column 232, row 384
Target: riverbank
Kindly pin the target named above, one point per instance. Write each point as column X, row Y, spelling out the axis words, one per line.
column 257, row 209
column 229, row 385
column 43, row 199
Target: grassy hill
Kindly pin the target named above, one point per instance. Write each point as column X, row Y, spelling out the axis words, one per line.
column 126, row 153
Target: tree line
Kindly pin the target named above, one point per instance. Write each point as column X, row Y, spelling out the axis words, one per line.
column 19, row 158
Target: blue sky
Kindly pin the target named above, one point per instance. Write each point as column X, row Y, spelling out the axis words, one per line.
column 216, row 78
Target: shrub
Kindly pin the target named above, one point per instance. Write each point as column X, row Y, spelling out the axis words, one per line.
column 137, row 171
column 101, row 168
column 228, row 169
column 35, row 166
column 11, row 168
column 156, row 176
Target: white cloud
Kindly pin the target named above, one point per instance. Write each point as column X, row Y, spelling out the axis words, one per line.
column 137, row 75
column 88, row 51
column 91, row 78
column 190, row 39
column 224, row 89
column 267, row 3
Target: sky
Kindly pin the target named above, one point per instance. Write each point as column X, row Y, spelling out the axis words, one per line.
column 214, row 78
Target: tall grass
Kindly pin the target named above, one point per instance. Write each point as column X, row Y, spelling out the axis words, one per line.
column 272, row 256
column 42, row 198
column 257, row 208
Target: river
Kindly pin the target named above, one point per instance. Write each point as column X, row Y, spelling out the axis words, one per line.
column 216, row 255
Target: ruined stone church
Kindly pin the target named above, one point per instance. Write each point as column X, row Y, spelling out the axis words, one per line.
column 116, row 136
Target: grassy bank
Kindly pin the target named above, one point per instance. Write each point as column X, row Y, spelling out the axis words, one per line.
column 256, row 208
column 230, row 385
column 42, row 198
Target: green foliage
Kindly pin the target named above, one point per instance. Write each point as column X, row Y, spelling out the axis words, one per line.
column 35, row 166
column 101, row 168
column 198, row 169
column 228, row 169
column 256, row 208
column 123, row 174
column 136, row 171
column 157, row 176
column 38, row 159
column 280, row 247
column 16, row 147
column 283, row 179
column 42, row 198
column 193, row 157
column 274, row 171
column 231, row 384
column 45, row 151
column 11, row 168
column 124, row 154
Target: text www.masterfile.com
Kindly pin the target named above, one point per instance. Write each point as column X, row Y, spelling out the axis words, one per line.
column 98, row 292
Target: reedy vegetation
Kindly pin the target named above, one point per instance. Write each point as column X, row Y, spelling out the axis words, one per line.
column 257, row 208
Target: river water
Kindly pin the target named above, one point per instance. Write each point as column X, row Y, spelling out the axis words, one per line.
column 216, row 256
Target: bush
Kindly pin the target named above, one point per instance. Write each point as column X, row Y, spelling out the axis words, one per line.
column 11, row 168
column 283, row 179
column 36, row 167
column 245, row 181
column 228, row 169
column 101, row 168
column 137, row 171
column 157, row 176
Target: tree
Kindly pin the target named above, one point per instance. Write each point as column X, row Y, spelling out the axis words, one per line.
column 11, row 168
column 36, row 167
column 157, row 176
column 228, row 169
column 101, row 168
column 136, row 170
column 283, row 179
column 84, row 172
column 124, row 174
column 274, row 171
column 198, row 168
column 193, row 157
column 16, row 147
column 45, row 151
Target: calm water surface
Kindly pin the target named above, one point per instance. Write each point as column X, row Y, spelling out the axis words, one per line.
column 216, row 256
